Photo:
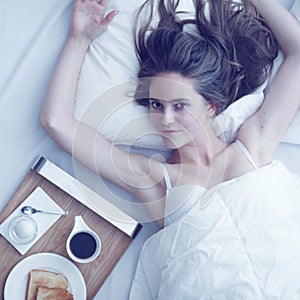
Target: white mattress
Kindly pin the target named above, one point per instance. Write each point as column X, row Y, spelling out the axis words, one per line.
column 32, row 34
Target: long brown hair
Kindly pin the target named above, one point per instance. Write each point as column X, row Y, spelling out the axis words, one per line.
column 229, row 53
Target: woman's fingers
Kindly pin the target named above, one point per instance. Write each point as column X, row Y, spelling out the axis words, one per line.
column 109, row 17
column 103, row 2
column 90, row 18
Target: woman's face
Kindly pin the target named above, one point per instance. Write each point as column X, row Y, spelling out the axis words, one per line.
column 177, row 111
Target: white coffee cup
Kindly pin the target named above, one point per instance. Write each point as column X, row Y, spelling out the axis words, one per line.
column 83, row 244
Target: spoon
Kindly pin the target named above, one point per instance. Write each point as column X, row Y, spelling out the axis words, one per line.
column 28, row 210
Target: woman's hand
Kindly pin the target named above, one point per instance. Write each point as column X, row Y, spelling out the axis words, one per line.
column 89, row 20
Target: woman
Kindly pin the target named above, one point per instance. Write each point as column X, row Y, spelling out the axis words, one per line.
column 198, row 174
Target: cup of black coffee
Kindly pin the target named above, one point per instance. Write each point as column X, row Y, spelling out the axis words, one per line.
column 83, row 244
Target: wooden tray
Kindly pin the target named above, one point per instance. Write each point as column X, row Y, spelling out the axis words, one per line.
column 114, row 241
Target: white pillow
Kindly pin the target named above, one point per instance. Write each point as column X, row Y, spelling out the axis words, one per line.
column 104, row 90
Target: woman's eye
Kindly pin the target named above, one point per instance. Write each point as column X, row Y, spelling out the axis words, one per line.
column 156, row 105
column 180, row 106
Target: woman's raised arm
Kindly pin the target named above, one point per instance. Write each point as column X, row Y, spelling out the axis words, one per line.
column 57, row 115
column 263, row 131
column 84, row 143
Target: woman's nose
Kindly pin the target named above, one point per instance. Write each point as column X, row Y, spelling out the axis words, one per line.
column 168, row 117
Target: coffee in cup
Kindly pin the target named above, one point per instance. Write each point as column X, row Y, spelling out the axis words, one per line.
column 83, row 244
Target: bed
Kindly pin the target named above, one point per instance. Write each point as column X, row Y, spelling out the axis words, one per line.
column 32, row 34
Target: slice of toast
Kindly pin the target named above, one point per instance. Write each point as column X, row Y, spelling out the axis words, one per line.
column 44, row 278
column 45, row 293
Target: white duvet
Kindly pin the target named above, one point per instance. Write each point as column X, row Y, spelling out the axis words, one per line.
column 245, row 244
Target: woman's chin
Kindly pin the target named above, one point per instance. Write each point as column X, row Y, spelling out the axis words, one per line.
column 173, row 143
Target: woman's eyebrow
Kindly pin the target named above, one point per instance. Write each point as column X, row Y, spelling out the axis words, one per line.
column 181, row 100
column 172, row 100
column 153, row 99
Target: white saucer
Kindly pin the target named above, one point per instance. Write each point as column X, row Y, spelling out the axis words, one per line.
column 16, row 282
column 38, row 199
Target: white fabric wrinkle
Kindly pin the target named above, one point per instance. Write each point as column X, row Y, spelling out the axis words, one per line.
column 203, row 254
column 148, row 290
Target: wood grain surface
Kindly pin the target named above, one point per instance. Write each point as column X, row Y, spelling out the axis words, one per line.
column 114, row 241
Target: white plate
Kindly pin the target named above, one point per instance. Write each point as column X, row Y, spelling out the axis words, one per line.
column 15, row 286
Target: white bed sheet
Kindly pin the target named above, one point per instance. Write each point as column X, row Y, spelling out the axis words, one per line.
column 32, row 34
